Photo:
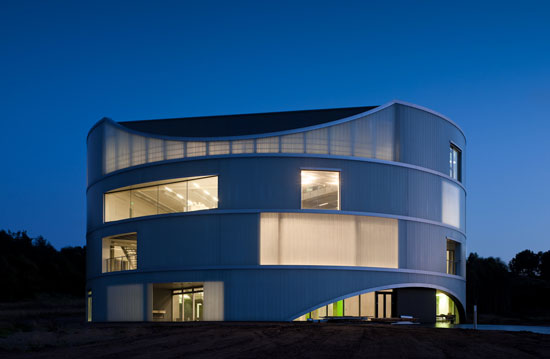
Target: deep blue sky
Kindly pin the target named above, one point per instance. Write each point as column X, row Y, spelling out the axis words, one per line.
column 65, row 65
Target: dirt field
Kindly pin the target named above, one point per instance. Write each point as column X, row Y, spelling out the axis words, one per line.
column 54, row 333
column 271, row 340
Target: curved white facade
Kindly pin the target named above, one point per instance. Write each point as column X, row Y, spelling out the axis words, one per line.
column 273, row 226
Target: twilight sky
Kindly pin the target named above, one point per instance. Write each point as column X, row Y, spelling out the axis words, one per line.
column 66, row 64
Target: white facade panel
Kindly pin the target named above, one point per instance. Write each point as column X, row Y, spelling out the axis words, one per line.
column 328, row 239
column 213, row 301
column 125, row 303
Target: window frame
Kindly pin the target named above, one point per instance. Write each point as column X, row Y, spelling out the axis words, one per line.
column 317, row 169
column 155, row 184
column 453, row 147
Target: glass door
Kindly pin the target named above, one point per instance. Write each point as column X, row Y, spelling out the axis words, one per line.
column 383, row 304
column 187, row 304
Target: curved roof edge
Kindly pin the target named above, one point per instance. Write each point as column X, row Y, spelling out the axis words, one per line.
column 279, row 133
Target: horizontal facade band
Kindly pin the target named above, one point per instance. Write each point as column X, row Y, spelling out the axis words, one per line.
column 137, row 272
column 258, row 211
column 283, row 155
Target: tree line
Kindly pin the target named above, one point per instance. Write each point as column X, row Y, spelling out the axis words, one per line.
column 519, row 289
column 32, row 266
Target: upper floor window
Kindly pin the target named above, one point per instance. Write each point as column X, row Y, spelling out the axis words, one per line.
column 119, row 253
column 453, row 252
column 455, row 163
column 320, row 190
column 183, row 195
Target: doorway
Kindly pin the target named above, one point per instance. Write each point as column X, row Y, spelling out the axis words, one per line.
column 188, row 304
column 383, row 302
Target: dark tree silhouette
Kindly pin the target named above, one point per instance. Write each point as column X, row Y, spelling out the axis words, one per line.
column 525, row 263
column 30, row 267
column 544, row 265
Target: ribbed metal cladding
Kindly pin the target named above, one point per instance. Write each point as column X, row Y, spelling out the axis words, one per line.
column 393, row 167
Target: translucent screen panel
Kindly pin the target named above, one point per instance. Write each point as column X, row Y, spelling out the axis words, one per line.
column 320, row 189
column 340, row 139
column 117, row 206
column 123, row 149
column 155, row 150
column 328, row 239
column 109, row 160
column 317, row 141
column 267, row 145
column 174, row 149
column 203, row 194
column 173, row 197
column 371, row 136
column 218, row 148
column 196, row 149
column 243, row 146
column 292, row 143
column 385, row 139
column 139, row 150
column 450, row 204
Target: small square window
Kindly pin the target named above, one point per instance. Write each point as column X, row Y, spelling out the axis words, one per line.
column 455, row 163
column 320, row 190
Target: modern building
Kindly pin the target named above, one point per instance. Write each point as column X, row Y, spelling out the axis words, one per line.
column 277, row 216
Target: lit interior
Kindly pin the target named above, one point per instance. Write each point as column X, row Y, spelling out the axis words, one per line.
column 320, row 190
column 373, row 304
column 446, row 309
column 180, row 196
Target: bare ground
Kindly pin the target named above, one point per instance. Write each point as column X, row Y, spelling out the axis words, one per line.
column 63, row 335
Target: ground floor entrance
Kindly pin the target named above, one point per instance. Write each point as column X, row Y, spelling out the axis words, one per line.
column 423, row 304
column 188, row 304
column 188, row 301
column 383, row 304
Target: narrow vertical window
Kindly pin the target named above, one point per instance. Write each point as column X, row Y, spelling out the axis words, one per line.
column 89, row 307
column 453, row 251
column 320, row 190
column 455, row 163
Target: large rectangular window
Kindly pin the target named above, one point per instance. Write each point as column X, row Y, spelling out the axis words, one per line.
column 455, row 163
column 320, row 190
column 184, row 195
column 328, row 239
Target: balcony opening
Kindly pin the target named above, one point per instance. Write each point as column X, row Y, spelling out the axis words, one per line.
column 119, row 253
column 453, row 253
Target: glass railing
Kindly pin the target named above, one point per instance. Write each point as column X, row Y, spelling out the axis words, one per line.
column 117, row 264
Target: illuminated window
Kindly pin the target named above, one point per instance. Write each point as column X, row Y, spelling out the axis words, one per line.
column 455, row 163
column 119, row 253
column 89, row 308
column 453, row 251
column 184, row 195
column 321, row 190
